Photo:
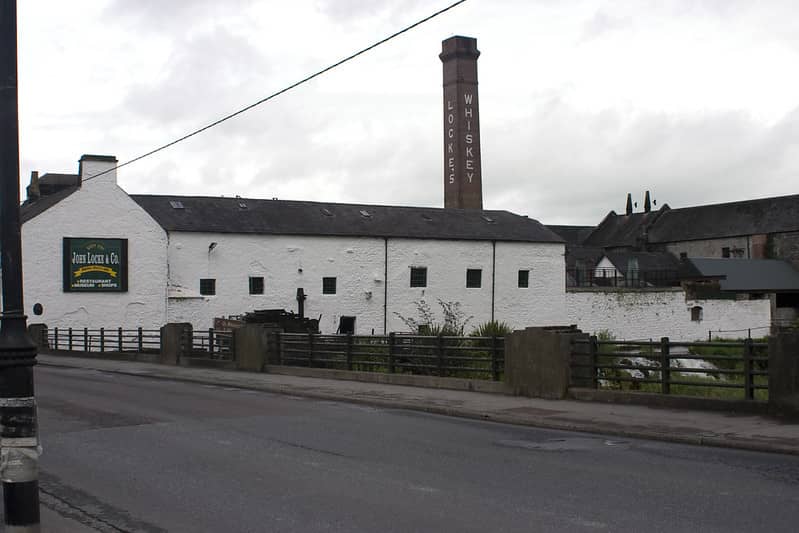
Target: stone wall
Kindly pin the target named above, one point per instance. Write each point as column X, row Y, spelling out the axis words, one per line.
column 644, row 314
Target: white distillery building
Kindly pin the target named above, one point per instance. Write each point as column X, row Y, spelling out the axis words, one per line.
column 95, row 256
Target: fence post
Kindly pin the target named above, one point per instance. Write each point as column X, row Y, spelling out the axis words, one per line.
column 310, row 349
column 119, row 339
column 593, row 350
column 494, row 358
column 102, row 340
column 211, row 342
column 440, row 355
column 55, row 337
column 665, row 366
column 749, row 390
column 349, row 351
column 85, row 339
column 141, row 340
column 69, row 339
column 391, row 344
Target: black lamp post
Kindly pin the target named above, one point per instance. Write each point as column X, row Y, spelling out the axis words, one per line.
column 19, row 441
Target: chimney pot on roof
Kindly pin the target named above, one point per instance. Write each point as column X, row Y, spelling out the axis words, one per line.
column 33, row 189
column 629, row 210
column 647, row 203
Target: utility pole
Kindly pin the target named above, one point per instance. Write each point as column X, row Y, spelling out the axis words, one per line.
column 19, row 440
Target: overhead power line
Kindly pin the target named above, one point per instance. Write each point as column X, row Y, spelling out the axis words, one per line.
column 278, row 93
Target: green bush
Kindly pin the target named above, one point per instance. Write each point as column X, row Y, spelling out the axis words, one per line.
column 492, row 328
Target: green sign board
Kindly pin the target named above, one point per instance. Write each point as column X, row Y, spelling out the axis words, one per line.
column 95, row 265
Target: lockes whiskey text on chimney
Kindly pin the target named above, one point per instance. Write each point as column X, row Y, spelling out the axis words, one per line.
column 463, row 186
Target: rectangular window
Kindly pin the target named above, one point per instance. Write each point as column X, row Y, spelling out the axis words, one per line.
column 524, row 279
column 418, row 276
column 474, row 278
column 256, row 285
column 328, row 285
column 208, row 286
column 725, row 252
column 683, row 255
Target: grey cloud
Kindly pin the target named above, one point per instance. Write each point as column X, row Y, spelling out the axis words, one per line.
column 159, row 15
column 208, row 76
column 578, row 166
column 602, row 23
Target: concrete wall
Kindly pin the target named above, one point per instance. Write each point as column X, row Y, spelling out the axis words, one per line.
column 99, row 209
column 358, row 264
column 643, row 314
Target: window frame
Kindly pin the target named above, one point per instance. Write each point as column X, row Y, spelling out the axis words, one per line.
column 470, row 281
column 415, row 281
column 526, row 277
column 204, row 286
column 326, row 280
column 253, row 281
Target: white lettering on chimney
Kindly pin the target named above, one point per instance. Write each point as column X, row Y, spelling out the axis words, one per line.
column 467, row 112
column 468, row 99
column 449, row 148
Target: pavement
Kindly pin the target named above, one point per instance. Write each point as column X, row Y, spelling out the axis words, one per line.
column 707, row 428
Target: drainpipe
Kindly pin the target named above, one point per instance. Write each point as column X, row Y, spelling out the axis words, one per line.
column 385, row 286
column 493, row 275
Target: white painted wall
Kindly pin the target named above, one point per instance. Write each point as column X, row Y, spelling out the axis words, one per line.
column 103, row 210
column 285, row 263
column 645, row 314
column 358, row 264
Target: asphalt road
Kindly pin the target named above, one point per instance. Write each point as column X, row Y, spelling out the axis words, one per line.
column 125, row 453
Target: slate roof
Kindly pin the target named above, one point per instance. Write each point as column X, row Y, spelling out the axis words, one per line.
column 623, row 230
column 28, row 210
column 572, row 234
column 647, row 261
column 750, row 217
column 750, row 275
column 288, row 217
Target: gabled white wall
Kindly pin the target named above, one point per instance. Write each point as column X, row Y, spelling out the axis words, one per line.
column 103, row 210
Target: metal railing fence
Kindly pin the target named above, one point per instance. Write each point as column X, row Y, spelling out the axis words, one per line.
column 445, row 356
column 609, row 277
column 104, row 340
column 209, row 343
column 668, row 367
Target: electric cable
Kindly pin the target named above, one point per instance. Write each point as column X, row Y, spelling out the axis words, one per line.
column 278, row 93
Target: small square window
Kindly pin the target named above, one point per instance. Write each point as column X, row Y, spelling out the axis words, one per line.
column 474, row 277
column 256, row 285
column 725, row 252
column 524, row 279
column 208, row 286
column 683, row 255
column 328, row 285
column 418, row 276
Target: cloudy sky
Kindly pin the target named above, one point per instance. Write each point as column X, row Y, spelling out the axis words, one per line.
column 580, row 101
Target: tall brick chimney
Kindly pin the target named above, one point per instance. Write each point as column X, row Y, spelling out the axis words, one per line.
column 463, row 185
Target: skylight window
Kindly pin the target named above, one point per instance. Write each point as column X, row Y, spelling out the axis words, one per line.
column 242, row 205
column 365, row 213
column 176, row 204
column 327, row 212
column 489, row 219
